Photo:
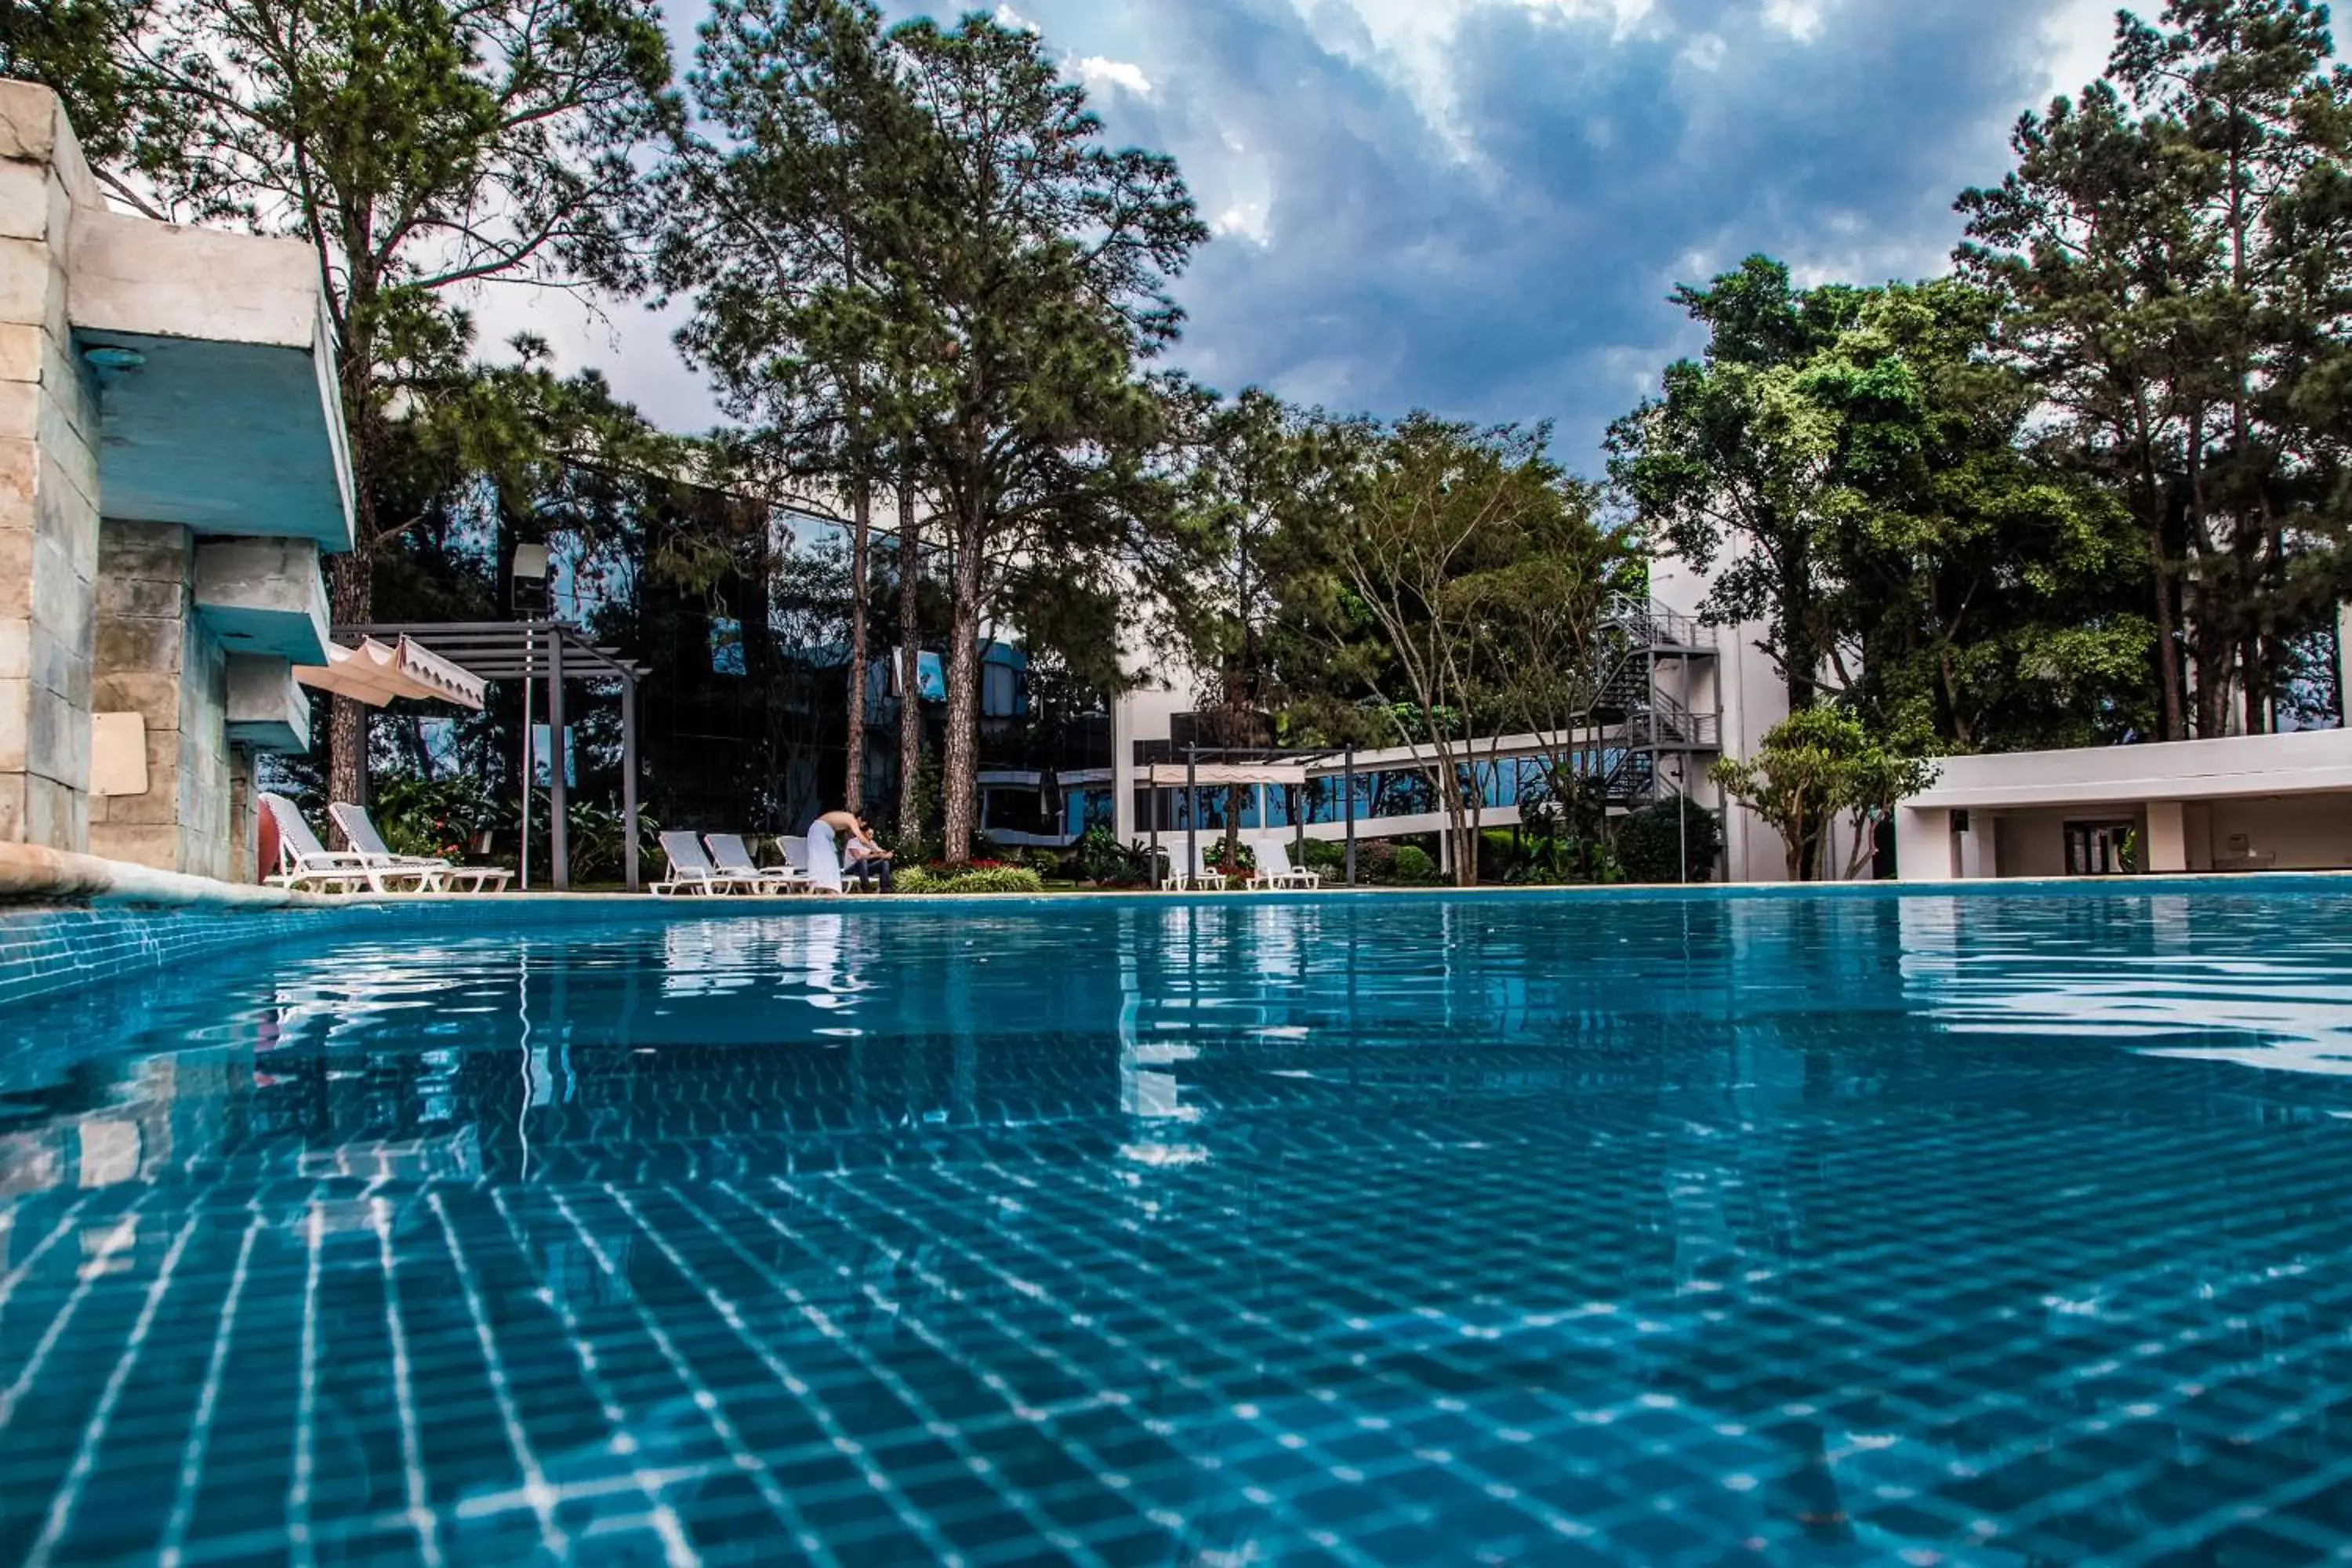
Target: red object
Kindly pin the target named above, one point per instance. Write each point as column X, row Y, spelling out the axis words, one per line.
column 265, row 839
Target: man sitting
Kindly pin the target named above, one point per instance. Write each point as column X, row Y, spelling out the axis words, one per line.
column 862, row 859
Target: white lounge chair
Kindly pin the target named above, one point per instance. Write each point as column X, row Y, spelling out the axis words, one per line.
column 305, row 865
column 733, row 859
column 1275, row 870
column 1200, row 877
column 442, row 875
column 690, row 870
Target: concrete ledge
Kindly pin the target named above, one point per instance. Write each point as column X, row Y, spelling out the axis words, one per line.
column 267, row 709
column 265, row 597
column 30, row 874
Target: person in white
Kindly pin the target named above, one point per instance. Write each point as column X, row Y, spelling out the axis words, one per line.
column 857, row 854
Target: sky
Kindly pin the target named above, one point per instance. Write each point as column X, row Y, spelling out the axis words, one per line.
column 1479, row 207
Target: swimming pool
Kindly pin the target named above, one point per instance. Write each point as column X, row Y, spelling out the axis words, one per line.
column 1984, row 1229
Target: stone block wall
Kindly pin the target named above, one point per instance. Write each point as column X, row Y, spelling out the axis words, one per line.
column 49, row 483
column 155, row 658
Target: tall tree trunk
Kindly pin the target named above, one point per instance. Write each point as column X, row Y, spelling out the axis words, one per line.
column 861, row 527
column 2212, row 650
column 350, row 582
column 2174, row 725
column 351, row 594
column 2256, row 681
column 910, row 659
column 960, row 771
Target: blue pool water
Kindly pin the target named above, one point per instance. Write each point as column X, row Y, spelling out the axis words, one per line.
column 1996, row 1230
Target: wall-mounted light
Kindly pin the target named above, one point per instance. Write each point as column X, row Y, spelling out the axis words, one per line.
column 531, row 563
column 113, row 356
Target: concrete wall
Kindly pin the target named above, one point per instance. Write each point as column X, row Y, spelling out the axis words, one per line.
column 155, row 658
column 2033, row 843
column 2307, row 833
column 49, row 483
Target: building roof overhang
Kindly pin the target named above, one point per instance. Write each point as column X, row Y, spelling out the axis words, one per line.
column 2314, row 761
column 218, row 407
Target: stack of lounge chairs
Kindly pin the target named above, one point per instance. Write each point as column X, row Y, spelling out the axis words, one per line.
column 722, row 863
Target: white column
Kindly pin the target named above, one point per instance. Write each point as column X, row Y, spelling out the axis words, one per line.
column 1976, row 856
column 2166, row 847
column 1923, row 844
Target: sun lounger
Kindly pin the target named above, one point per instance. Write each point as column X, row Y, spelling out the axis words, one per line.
column 733, row 859
column 305, row 865
column 443, row 875
column 1200, row 877
column 690, row 870
column 1275, row 870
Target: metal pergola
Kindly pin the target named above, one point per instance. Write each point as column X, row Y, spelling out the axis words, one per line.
column 1214, row 765
column 530, row 652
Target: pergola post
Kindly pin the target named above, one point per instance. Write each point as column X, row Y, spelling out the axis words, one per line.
column 530, row 765
column 512, row 650
column 629, row 782
column 559, row 836
column 1153, row 773
column 1191, row 812
column 1348, row 788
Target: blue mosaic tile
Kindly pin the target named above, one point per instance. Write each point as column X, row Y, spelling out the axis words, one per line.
column 1991, row 1231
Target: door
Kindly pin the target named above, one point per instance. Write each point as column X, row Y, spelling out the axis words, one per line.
column 2101, row 848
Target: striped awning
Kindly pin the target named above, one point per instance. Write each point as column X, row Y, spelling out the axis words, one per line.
column 377, row 673
column 1176, row 775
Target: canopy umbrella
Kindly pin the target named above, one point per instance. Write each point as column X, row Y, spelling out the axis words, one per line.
column 375, row 673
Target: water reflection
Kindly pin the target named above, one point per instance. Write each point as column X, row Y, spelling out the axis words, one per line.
column 1840, row 1230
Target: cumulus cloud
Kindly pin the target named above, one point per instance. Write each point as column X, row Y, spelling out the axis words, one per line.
column 1480, row 206
column 1098, row 74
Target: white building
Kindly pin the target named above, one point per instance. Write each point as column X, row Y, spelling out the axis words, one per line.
column 1685, row 688
column 2241, row 802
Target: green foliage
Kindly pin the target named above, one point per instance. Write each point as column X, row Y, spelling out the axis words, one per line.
column 435, row 816
column 1671, row 840
column 83, row 50
column 1100, row 857
column 977, row 879
column 919, row 256
column 597, row 839
column 1414, row 866
column 1858, row 464
column 1456, row 582
column 1329, row 856
column 2171, row 245
column 1816, row 766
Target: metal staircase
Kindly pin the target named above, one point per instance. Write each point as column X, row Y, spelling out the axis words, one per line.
column 1647, row 721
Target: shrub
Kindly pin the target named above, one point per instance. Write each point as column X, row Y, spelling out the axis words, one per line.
column 1376, row 860
column 1325, row 855
column 1413, row 865
column 973, row 879
column 1101, row 858
column 437, row 816
column 1650, row 841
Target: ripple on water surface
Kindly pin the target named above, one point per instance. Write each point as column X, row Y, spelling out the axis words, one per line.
column 1844, row 1230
